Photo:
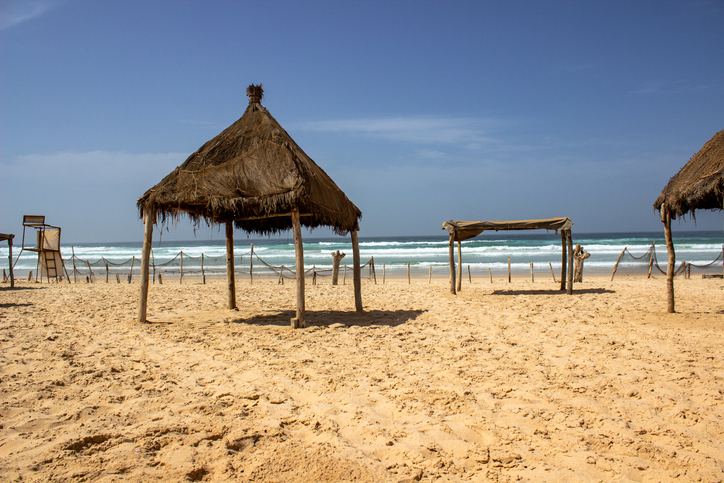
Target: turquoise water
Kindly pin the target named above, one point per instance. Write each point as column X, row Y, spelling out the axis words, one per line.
column 484, row 253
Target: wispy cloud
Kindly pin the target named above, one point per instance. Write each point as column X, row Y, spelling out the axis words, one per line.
column 14, row 12
column 421, row 130
column 668, row 87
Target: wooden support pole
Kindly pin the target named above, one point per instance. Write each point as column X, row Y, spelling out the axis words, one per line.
column 554, row 275
column 451, row 255
column 130, row 274
column 281, row 276
column 408, row 272
column 460, row 266
column 10, row 258
column 230, row 275
column 651, row 258
column 570, row 261
column 299, row 322
column 470, row 277
column 490, row 272
column 508, row 269
column 160, row 279
column 107, row 270
column 148, row 216
column 372, row 264
column 118, row 278
column 563, row 259
column 671, row 306
column 356, row 273
column 532, row 279
column 181, row 254
column 429, row 279
column 203, row 274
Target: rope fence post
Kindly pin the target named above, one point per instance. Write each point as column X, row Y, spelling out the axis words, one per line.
column 552, row 273
column 408, row 272
column 181, row 278
column 203, row 274
column 130, row 274
column 470, row 277
column 372, row 264
column 532, row 279
column 251, row 265
column 75, row 279
column 490, row 272
column 106, row 262
column 508, row 269
column 615, row 267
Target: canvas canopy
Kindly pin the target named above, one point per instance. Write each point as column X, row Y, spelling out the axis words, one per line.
column 464, row 230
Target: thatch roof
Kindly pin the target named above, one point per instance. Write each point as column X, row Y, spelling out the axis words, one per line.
column 700, row 183
column 254, row 174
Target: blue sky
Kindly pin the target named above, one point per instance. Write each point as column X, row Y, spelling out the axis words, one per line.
column 421, row 111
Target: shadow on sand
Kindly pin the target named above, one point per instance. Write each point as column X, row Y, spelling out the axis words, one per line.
column 326, row 318
column 552, row 292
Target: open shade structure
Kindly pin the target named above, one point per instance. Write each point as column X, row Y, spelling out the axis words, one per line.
column 463, row 230
column 254, row 177
column 699, row 185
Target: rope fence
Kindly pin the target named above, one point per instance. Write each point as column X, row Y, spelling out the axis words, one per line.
column 649, row 258
column 183, row 265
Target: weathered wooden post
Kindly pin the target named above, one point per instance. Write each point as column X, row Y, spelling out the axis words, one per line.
column 336, row 258
column 148, row 216
column 580, row 255
column 203, row 274
column 651, row 258
column 429, row 280
column 107, row 270
column 615, row 267
column 300, row 320
column 554, row 275
column 230, row 276
column 374, row 274
column 181, row 278
column 666, row 218
column 470, row 277
column 451, row 255
column 563, row 259
column 490, row 272
column 251, row 265
column 75, row 279
column 508, row 269
column 356, row 275
column 460, row 266
column 569, row 238
column 532, row 279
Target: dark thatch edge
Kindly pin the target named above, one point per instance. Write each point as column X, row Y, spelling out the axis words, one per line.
column 699, row 185
column 254, row 174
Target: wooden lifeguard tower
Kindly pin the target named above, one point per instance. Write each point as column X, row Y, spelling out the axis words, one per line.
column 50, row 262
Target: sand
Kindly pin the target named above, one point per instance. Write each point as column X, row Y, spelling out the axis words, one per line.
column 503, row 382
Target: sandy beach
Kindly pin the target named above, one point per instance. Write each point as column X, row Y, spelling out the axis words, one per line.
column 503, row 382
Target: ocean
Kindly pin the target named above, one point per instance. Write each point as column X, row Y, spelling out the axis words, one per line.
column 484, row 255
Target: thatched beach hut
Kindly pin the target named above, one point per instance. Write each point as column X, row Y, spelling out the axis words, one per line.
column 699, row 185
column 254, row 177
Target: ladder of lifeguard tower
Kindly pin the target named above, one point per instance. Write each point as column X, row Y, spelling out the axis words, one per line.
column 51, row 270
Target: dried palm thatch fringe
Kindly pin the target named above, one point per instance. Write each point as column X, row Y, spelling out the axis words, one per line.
column 251, row 173
column 699, row 185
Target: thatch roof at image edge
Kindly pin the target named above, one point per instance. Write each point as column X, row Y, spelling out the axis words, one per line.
column 700, row 183
column 254, row 174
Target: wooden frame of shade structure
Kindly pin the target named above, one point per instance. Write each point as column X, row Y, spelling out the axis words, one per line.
column 464, row 230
